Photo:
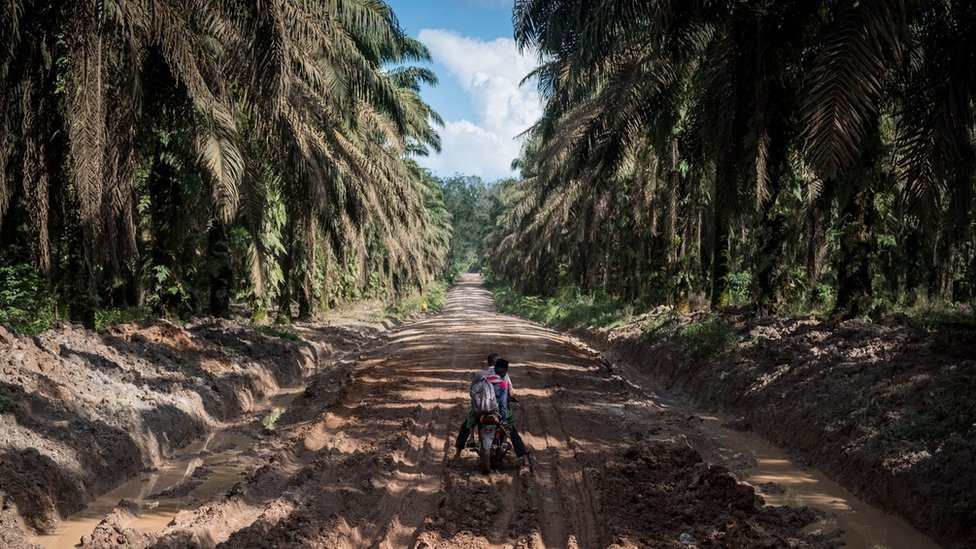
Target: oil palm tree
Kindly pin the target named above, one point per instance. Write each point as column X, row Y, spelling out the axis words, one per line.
column 325, row 120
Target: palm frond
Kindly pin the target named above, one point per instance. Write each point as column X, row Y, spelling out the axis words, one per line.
column 846, row 82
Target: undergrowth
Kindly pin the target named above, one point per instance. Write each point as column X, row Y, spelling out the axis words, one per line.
column 270, row 421
column 431, row 300
column 25, row 304
column 569, row 308
column 934, row 315
column 109, row 317
column 707, row 338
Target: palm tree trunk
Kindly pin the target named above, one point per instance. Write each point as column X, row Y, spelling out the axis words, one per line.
column 308, row 274
column 853, row 268
column 287, row 268
column 220, row 271
column 767, row 257
column 720, row 256
column 772, row 235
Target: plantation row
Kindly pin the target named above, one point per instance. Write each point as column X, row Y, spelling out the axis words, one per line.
column 176, row 155
column 183, row 157
column 792, row 155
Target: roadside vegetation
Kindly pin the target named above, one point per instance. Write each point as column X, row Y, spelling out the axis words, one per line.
column 803, row 158
column 569, row 308
column 187, row 159
column 223, row 159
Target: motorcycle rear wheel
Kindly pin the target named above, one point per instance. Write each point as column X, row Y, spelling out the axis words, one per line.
column 484, row 458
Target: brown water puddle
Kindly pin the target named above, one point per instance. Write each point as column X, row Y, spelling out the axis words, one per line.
column 192, row 477
column 863, row 526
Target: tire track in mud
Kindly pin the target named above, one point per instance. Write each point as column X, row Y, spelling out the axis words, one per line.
column 569, row 481
column 411, row 485
column 550, row 505
column 365, row 462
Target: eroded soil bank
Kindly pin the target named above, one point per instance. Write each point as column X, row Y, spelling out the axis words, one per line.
column 885, row 409
column 81, row 412
column 361, row 458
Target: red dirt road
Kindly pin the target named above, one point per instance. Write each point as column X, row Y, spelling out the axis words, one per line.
column 363, row 458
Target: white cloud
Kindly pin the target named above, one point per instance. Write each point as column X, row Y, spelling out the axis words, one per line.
column 490, row 72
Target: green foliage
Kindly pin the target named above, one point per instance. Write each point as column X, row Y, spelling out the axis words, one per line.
column 937, row 315
column 433, row 299
column 660, row 327
column 270, row 421
column 739, row 287
column 922, row 425
column 25, row 304
column 109, row 317
column 569, row 308
column 194, row 168
column 708, row 338
column 715, row 163
column 473, row 206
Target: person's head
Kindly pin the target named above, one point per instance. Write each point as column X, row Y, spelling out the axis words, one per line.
column 492, row 358
column 501, row 367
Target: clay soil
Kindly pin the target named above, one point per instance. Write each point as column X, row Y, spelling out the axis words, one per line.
column 361, row 458
column 885, row 409
column 81, row 412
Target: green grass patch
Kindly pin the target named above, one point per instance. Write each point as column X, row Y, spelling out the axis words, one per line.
column 270, row 421
column 431, row 300
column 569, row 308
column 922, row 425
column 708, row 338
column 109, row 317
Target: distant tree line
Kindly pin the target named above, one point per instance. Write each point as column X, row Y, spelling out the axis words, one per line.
column 177, row 155
column 780, row 153
column 474, row 205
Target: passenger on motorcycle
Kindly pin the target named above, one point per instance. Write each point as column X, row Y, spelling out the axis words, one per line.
column 497, row 375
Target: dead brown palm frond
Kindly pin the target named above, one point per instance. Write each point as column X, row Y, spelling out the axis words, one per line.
column 35, row 175
column 6, row 152
column 86, row 117
column 11, row 35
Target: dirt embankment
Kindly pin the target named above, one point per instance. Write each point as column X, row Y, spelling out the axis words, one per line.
column 886, row 409
column 80, row 412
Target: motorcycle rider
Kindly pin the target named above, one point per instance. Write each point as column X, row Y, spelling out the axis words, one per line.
column 464, row 433
column 497, row 375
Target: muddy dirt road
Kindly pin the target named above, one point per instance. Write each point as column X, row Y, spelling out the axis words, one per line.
column 362, row 458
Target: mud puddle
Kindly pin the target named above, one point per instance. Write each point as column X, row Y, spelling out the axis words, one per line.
column 189, row 479
column 782, row 483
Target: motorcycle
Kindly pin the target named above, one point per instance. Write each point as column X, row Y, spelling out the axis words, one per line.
column 493, row 443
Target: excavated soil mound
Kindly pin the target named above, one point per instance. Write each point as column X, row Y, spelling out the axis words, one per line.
column 82, row 411
column 886, row 409
column 664, row 491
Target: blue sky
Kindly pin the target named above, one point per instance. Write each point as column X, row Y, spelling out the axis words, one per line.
column 479, row 69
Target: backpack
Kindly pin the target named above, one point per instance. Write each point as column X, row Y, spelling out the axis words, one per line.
column 483, row 399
